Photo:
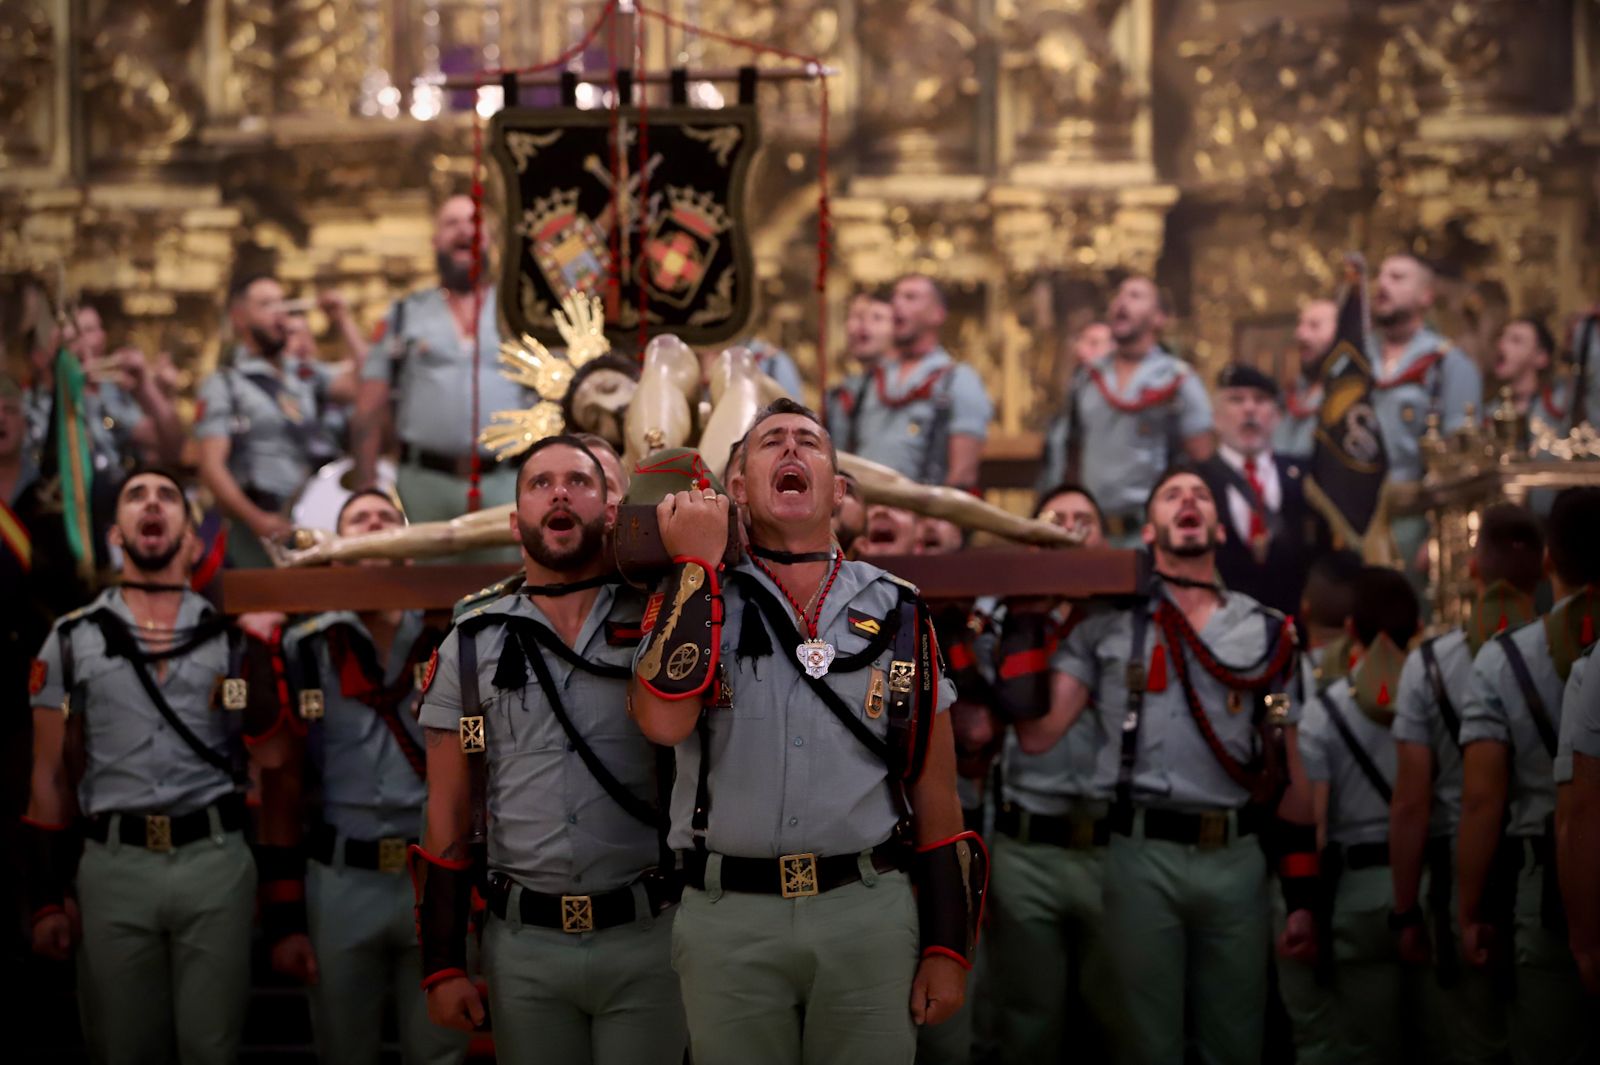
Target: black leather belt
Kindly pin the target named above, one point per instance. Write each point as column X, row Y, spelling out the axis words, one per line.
column 578, row 913
column 161, row 832
column 1366, row 855
column 793, row 875
column 454, row 465
column 1074, row 832
column 387, row 855
column 1208, row 829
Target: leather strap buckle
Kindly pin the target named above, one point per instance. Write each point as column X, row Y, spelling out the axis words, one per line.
column 1082, row 835
column 158, row 833
column 799, row 873
column 577, row 913
column 391, row 854
column 1213, row 829
column 472, row 735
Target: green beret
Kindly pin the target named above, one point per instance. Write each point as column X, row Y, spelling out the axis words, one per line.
column 678, row 469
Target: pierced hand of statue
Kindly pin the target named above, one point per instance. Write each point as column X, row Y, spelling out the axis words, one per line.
column 694, row 524
column 131, row 368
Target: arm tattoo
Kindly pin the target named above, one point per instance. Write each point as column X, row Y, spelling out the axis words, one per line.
column 437, row 736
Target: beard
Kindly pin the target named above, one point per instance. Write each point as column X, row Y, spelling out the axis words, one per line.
column 453, row 276
column 1188, row 550
column 1392, row 317
column 581, row 554
column 268, row 344
column 154, row 562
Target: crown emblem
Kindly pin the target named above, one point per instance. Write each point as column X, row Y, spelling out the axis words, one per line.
column 699, row 209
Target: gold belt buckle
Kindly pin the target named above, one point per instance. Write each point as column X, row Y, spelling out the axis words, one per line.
column 391, row 854
column 799, row 875
column 1082, row 833
column 577, row 913
column 1213, row 830
column 158, row 832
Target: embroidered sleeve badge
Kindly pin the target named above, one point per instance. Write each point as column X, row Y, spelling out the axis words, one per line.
column 38, row 673
column 433, row 668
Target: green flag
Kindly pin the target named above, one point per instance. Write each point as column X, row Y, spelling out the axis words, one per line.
column 73, row 463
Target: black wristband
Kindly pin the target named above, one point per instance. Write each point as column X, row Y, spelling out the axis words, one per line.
column 1400, row 920
column 51, row 862
column 951, row 878
column 444, row 902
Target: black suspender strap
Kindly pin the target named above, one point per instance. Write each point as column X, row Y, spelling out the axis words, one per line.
column 1441, row 697
column 1137, row 679
column 936, row 449
column 120, row 642
column 852, row 432
column 636, row 807
column 1364, row 762
column 701, row 817
column 1530, row 692
column 471, row 705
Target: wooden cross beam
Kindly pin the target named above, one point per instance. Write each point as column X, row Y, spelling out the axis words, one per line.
column 1078, row 573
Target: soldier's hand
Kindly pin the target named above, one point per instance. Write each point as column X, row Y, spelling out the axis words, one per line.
column 1299, row 939
column 694, row 523
column 1413, row 946
column 131, row 367
column 52, row 936
column 455, row 1003
column 333, row 304
column 1477, row 943
column 293, row 956
column 938, row 990
column 269, row 526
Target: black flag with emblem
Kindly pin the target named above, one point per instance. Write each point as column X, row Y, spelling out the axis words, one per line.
column 573, row 175
column 1348, row 461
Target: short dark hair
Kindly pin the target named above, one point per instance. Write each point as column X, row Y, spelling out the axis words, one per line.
column 559, row 440
column 933, row 286
column 1066, row 488
column 152, row 470
column 876, row 295
column 1330, row 589
column 1541, row 332
column 1385, row 603
column 242, row 281
column 1510, row 547
column 783, row 405
column 617, row 364
column 1168, row 474
column 1163, row 297
column 362, row 493
column 1573, row 528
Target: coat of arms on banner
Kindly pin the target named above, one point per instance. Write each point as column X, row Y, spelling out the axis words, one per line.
column 581, row 210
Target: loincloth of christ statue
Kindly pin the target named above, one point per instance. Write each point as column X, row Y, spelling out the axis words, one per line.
column 590, row 391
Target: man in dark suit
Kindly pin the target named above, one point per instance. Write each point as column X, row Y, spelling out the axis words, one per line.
column 1272, row 534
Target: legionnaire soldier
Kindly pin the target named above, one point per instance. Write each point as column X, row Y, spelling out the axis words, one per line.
column 336, row 905
column 916, row 409
column 524, row 707
column 1196, row 689
column 1129, row 415
column 263, row 426
column 1426, row 809
column 1313, row 339
column 1325, row 605
column 1577, row 775
column 1415, row 373
column 815, row 775
column 1509, row 730
column 1377, row 1008
column 417, row 383
column 140, row 696
column 1053, row 987
column 869, row 338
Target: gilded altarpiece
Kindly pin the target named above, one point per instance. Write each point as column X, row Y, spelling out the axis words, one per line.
column 1027, row 152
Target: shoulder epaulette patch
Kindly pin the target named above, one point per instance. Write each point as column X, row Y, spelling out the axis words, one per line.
column 38, row 674
column 864, row 624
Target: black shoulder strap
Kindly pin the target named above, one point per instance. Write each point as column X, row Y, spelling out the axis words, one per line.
column 936, row 448
column 852, row 431
column 471, row 705
column 1364, row 762
column 119, row 641
column 1530, row 693
column 1441, row 697
column 1137, row 679
column 636, row 807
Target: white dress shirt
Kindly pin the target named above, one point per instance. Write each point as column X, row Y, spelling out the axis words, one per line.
column 1266, row 469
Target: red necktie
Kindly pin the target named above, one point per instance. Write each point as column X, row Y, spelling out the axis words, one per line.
column 1258, row 505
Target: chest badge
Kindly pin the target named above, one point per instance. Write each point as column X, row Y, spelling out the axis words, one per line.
column 234, row 693
column 815, row 657
column 312, row 705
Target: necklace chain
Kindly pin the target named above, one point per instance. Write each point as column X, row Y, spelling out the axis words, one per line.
column 820, row 597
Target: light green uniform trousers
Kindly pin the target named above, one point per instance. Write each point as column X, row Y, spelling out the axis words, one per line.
column 592, row 998
column 1309, row 1005
column 1468, row 1027
column 1053, row 984
column 363, row 928
column 164, row 969
column 823, row 980
column 1550, row 1021
column 429, row 495
column 1188, row 930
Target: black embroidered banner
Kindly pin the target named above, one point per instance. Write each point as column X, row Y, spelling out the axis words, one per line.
column 682, row 234
column 1348, row 461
